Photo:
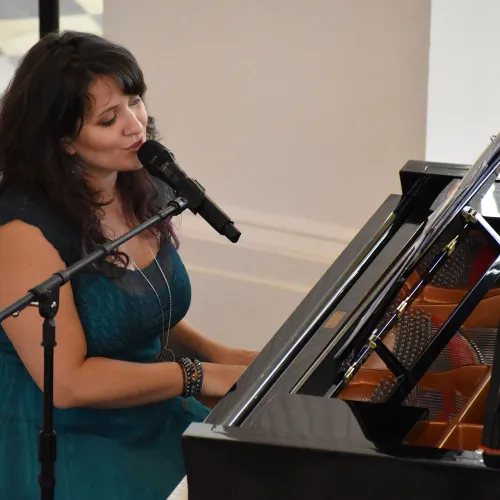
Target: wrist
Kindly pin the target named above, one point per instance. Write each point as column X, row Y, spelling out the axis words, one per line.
column 192, row 374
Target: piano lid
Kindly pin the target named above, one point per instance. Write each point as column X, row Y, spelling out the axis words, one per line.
column 410, row 223
column 391, row 362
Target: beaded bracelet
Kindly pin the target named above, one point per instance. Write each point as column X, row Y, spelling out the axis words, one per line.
column 199, row 378
column 192, row 372
column 188, row 371
column 182, row 363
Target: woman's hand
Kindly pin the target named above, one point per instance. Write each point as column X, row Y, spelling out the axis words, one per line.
column 231, row 356
column 222, row 373
column 219, row 379
column 187, row 339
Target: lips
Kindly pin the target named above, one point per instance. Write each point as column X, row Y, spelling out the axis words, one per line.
column 136, row 145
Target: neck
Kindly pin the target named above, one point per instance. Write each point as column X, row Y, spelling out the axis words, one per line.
column 102, row 182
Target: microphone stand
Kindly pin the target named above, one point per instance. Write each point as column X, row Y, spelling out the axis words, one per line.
column 45, row 296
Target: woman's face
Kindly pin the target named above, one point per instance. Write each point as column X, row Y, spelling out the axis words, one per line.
column 113, row 131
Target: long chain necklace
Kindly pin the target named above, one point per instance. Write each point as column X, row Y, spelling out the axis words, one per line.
column 165, row 354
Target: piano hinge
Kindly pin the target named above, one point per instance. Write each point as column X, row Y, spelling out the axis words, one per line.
column 470, row 215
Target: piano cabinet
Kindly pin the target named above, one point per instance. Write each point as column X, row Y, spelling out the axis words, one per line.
column 405, row 406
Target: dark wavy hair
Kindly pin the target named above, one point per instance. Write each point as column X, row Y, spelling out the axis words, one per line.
column 44, row 105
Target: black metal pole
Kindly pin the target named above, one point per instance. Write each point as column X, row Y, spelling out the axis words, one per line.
column 48, row 306
column 48, row 16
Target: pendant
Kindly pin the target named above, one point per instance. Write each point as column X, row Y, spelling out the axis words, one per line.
column 165, row 355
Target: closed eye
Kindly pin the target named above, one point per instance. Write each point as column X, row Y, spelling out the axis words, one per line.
column 134, row 102
column 109, row 122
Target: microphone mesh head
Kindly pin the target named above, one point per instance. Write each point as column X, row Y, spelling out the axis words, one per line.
column 149, row 151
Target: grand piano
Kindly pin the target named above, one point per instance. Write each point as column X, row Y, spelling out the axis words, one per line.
column 385, row 380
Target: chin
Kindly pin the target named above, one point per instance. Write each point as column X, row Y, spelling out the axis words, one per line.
column 132, row 167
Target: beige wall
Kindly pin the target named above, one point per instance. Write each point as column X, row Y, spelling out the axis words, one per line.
column 296, row 116
column 464, row 101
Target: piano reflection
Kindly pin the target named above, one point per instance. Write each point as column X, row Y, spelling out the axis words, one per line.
column 385, row 381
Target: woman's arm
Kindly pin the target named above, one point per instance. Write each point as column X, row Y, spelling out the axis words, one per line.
column 107, row 384
column 185, row 338
column 26, row 259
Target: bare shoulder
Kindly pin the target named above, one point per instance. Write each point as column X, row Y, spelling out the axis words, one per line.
column 26, row 259
column 18, row 227
column 19, row 239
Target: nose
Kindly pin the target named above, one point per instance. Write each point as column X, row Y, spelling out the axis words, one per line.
column 133, row 125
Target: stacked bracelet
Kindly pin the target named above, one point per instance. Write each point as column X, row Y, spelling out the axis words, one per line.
column 192, row 372
column 199, row 378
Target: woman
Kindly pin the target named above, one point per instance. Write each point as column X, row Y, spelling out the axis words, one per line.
column 71, row 123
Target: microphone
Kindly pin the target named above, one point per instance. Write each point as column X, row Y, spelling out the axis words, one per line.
column 161, row 163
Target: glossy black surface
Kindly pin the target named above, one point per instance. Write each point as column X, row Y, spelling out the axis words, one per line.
column 273, row 437
column 456, row 318
column 321, row 349
column 406, row 378
column 491, row 433
column 301, row 459
column 344, row 355
column 237, row 405
column 278, row 367
column 48, row 16
column 343, row 424
column 323, row 424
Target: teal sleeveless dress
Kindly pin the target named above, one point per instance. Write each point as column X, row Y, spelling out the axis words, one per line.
column 124, row 454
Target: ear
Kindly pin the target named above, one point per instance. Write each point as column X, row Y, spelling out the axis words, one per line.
column 69, row 148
